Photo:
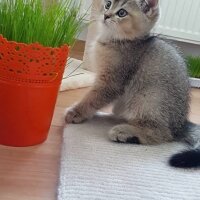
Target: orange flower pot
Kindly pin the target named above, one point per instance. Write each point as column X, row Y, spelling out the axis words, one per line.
column 30, row 77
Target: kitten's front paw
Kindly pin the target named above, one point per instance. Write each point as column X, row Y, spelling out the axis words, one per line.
column 74, row 116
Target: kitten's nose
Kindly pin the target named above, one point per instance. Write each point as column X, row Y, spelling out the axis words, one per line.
column 106, row 16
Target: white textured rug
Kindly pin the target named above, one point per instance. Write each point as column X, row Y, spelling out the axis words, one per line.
column 93, row 168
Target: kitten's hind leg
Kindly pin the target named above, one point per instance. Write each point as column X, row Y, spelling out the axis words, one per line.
column 138, row 134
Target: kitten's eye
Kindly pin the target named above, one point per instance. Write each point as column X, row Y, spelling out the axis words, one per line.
column 122, row 13
column 108, row 4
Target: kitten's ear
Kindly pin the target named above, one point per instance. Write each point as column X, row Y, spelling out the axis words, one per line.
column 153, row 4
column 150, row 7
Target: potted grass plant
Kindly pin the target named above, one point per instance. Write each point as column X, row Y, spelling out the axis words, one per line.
column 194, row 70
column 34, row 46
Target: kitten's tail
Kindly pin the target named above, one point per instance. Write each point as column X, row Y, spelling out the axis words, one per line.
column 189, row 158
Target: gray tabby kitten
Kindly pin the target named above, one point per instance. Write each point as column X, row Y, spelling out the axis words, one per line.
column 144, row 77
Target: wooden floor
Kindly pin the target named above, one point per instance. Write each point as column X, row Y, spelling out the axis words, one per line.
column 32, row 173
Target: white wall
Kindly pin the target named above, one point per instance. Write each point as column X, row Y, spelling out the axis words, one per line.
column 188, row 48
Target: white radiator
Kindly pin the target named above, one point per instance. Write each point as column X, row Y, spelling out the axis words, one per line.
column 180, row 19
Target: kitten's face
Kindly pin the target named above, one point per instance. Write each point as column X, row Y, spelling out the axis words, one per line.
column 128, row 19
